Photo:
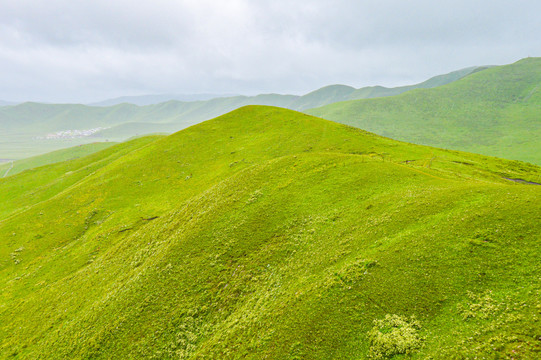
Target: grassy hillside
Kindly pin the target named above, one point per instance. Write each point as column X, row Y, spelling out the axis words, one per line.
column 267, row 233
column 495, row 112
column 30, row 129
column 16, row 167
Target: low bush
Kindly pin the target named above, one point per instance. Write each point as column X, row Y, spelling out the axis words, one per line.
column 394, row 335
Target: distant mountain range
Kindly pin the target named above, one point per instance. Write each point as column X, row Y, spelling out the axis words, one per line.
column 143, row 100
column 30, row 129
column 488, row 110
column 323, row 96
column 495, row 112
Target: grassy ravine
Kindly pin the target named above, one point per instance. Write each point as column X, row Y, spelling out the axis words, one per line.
column 495, row 112
column 267, row 233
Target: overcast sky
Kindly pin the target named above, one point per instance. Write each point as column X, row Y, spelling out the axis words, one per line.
column 82, row 51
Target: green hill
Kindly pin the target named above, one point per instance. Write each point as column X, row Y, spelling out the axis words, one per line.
column 267, row 233
column 494, row 112
column 31, row 128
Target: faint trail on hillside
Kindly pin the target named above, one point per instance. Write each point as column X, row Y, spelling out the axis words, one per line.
column 522, row 181
column 530, row 94
column 7, row 171
column 421, row 172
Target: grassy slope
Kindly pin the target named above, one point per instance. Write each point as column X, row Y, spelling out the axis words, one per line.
column 267, row 233
column 53, row 157
column 495, row 112
column 22, row 124
column 33, row 186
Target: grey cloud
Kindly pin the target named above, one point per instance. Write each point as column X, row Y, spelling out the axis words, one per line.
column 65, row 50
column 118, row 23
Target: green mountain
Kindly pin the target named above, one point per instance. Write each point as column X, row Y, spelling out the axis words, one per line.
column 495, row 112
column 31, row 128
column 266, row 233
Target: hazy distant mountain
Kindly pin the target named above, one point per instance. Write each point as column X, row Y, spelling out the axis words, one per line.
column 325, row 95
column 30, row 129
column 336, row 93
column 142, row 100
column 381, row 91
column 494, row 112
column 5, row 103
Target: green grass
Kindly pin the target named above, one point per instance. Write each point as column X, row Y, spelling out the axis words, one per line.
column 267, row 233
column 52, row 157
column 494, row 112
